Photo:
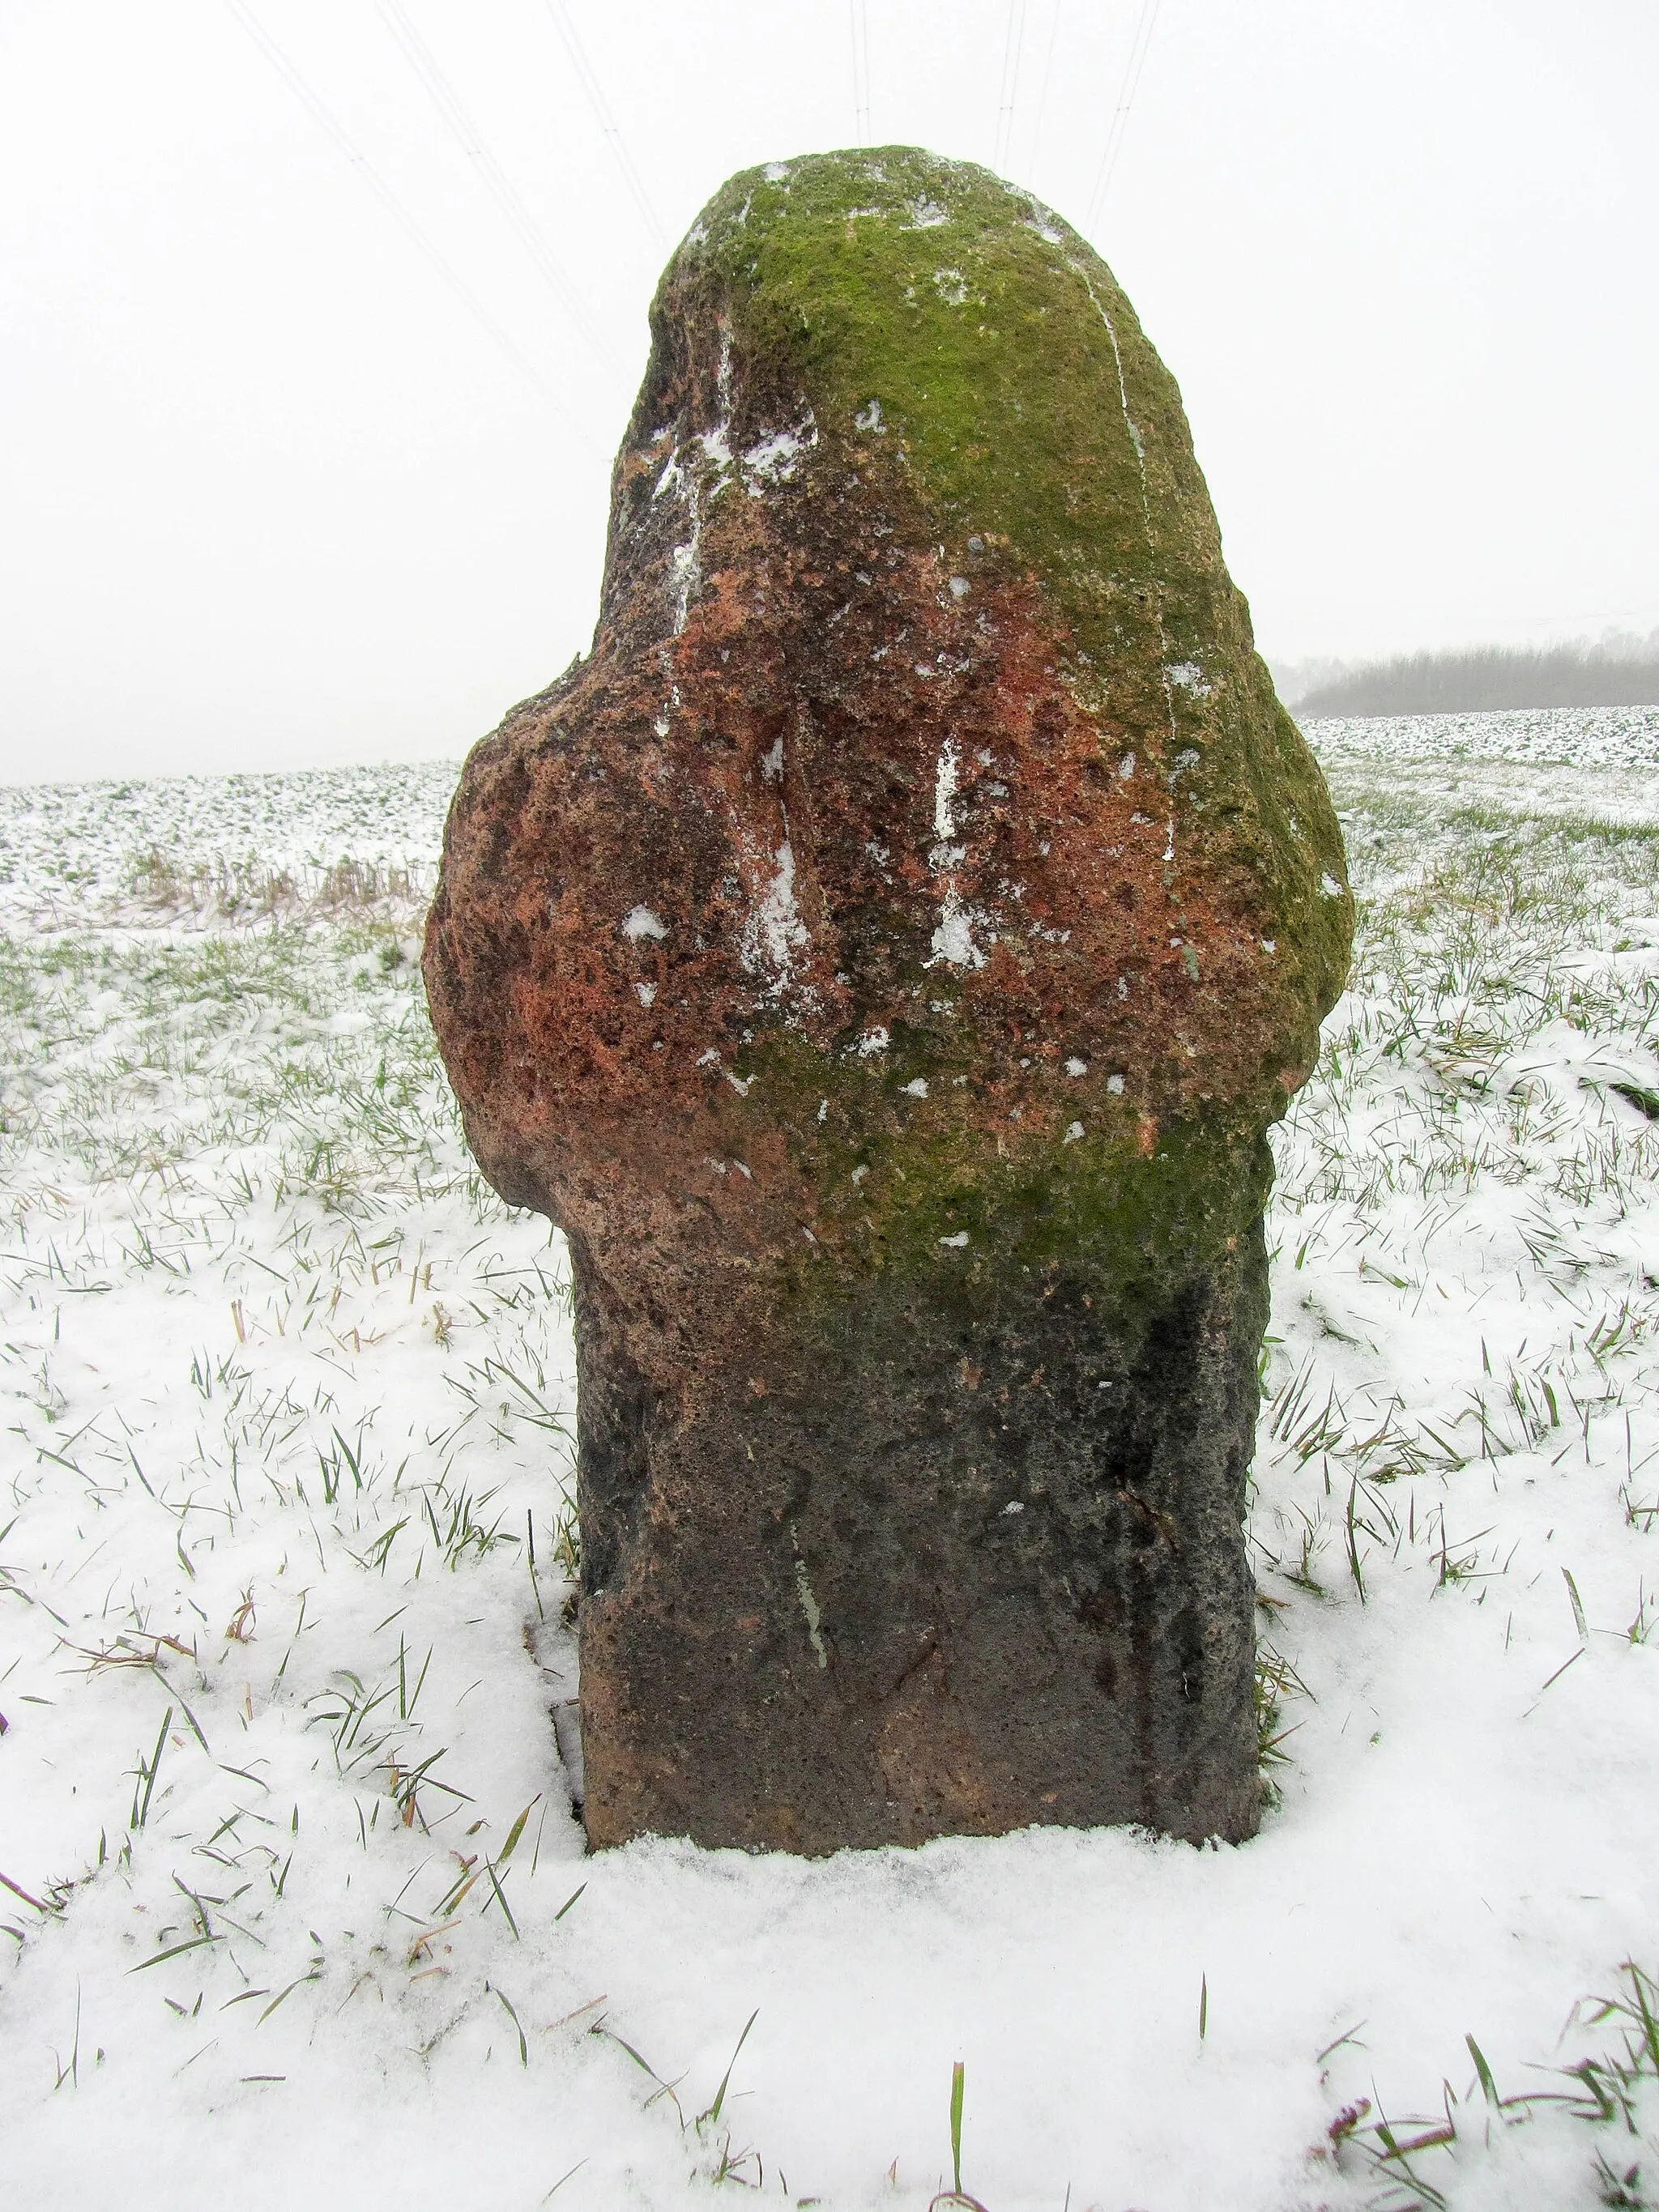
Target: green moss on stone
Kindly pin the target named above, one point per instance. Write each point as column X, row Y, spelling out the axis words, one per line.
column 925, row 309
column 1131, row 1212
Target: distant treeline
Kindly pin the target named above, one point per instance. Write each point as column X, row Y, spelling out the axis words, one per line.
column 1619, row 672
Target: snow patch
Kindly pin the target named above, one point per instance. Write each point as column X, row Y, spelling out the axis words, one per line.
column 775, row 932
column 953, row 940
column 945, row 776
column 1189, row 676
column 774, row 459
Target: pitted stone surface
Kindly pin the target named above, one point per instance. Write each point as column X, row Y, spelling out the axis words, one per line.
column 883, row 956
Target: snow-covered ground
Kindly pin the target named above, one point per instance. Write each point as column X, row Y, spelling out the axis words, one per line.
column 295, row 1908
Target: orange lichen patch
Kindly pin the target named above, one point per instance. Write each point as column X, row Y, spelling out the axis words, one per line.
column 1091, row 927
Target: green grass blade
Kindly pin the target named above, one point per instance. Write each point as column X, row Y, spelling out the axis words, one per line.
column 712, row 2114
column 957, row 2074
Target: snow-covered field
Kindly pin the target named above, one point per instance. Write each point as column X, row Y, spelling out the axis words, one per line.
column 295, row 1912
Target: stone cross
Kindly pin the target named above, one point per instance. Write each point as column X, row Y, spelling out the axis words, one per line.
column 883, row 956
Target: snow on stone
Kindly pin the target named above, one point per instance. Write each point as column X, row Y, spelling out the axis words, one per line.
column 640, row 921
column 774, row 932
column 945, row 790
column 953, row 938
column 685, row 571
column 774, row 460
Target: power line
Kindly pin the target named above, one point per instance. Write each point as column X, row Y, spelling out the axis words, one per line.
column 1042, row 97
column 1142, row 39
column 859, row 17
column 394, row 207
column 467, row 135
column 606, row 121
column 1012, row 44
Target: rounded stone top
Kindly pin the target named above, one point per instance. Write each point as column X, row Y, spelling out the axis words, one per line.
column 928, row 304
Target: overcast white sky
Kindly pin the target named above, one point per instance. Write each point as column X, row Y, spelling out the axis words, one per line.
column 271, row 494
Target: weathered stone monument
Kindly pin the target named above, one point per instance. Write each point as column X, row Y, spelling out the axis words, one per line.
column 883, row 956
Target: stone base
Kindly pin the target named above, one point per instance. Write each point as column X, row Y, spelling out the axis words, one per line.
column 955, row 1557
